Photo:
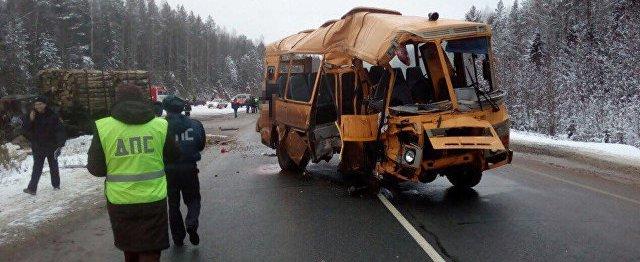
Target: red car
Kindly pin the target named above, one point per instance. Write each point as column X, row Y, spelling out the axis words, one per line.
column 242, row 99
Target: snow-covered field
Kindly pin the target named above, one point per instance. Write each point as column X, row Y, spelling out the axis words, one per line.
column 20, row 211
column 614, row 153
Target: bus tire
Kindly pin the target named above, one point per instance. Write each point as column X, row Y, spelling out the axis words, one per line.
column 287, row 164
column 465, row 178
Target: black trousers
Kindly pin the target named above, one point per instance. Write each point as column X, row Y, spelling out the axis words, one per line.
column 38, row 164
column 152, row 256
column 183, row 181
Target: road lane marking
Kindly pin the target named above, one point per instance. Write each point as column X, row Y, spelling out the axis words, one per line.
column 431, row 252
column 580, row 185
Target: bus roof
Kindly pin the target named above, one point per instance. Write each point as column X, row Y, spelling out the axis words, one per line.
column 371, row 35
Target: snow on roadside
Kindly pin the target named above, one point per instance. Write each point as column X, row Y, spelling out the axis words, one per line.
column 616, row 153
column 20, row 211
column 205, row 111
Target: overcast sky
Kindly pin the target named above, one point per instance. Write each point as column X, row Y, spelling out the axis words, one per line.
column 274, row 19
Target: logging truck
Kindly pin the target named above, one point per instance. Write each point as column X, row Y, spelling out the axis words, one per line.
column 82, row 96
column 400, row 98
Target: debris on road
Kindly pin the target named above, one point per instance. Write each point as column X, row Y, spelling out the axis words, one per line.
column 269, row 154
column 228, row 128
column 219, row 139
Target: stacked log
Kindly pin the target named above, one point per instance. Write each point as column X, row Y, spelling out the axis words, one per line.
column 89, row 90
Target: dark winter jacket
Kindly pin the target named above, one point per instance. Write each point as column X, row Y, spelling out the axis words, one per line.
column 189, row 135
column 137, row 227
column 45, row 132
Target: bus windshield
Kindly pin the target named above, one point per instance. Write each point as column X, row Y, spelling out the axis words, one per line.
column 468, row 60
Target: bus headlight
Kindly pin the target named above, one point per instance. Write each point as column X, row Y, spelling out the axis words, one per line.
column 410, row 156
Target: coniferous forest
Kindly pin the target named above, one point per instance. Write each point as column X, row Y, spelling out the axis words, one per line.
column 571, row 68
column 188, row 54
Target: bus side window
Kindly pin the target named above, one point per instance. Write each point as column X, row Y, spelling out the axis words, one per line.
column 299, row 89
column 281, row 84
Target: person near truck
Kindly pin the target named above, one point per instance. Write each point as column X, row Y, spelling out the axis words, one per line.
column 44, row 129
column 182, row 175
column 130, row 148
column 235, row 105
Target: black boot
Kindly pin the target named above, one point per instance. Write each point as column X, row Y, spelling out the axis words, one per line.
column 193, row 236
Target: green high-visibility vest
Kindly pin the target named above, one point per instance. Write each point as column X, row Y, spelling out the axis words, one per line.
column 134, row 158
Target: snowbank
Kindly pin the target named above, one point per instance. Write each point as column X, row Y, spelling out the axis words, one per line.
column 74, row 154
column 20, row 211
column 625, row 157
column 205, row 111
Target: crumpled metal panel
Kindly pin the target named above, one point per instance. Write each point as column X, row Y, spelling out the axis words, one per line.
column 464, row 142
column 296, row 146
column 359, row 128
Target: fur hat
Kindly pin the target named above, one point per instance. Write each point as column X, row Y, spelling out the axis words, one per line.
column 127, row 92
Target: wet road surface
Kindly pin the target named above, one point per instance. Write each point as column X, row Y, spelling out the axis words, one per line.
column 531, row 210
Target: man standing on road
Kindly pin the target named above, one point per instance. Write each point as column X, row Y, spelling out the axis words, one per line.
column 45, row 131
column 182, row 176
column 256, row 103
column 235, row 106
column 130, row 148
column 187, row 108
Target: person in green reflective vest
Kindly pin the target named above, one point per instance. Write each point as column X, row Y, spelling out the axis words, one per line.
column 130, row 148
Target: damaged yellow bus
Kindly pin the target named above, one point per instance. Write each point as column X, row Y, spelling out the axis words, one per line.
column 399, row 98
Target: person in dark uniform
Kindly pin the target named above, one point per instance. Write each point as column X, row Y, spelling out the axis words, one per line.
column 182, row 175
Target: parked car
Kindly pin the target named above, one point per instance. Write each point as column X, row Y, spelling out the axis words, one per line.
column 218, row 103
column 242, row 99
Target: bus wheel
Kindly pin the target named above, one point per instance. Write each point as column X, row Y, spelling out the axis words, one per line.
column 287, row 164
column 465, row 177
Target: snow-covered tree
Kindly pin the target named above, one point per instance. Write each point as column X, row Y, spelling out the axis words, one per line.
column 570, row 67
column 187, row 54
column 474, row 15
column 15, row 63
column 48, row 53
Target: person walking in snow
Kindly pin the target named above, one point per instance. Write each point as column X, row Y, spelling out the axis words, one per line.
column 130, row 148
column 182, row 175
column 43, row 128
column 235, row 106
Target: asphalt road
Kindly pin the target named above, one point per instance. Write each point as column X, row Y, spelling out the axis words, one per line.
column 534, row 210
